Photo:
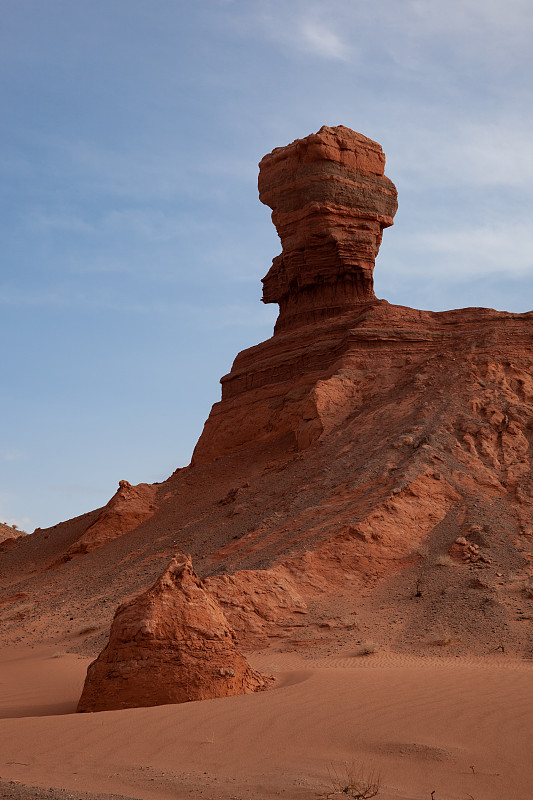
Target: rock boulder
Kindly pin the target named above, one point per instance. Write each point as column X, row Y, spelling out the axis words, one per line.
column 171, row 644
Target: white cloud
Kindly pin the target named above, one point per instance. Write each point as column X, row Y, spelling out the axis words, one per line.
column 403, row 29
column 322, row 41
column 305, row 27
column 20, row 296
column 479, row 154
column 469, row 18
column 505, row 250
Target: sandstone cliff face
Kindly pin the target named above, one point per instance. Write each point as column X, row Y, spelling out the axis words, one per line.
column 330, row 201
column 300, row 385
column 171, row 644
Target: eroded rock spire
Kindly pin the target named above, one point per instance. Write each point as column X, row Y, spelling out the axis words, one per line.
column 330, row 201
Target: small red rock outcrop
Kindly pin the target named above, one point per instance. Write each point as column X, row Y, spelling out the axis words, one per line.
column 171, row 644
column 8, row 532
column 330, row 201
column 129, row 506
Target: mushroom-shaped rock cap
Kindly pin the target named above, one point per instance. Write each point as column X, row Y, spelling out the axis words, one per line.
column 170, row 644
column 330, row 201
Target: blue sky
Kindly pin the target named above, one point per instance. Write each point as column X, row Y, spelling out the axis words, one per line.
column 133, row 241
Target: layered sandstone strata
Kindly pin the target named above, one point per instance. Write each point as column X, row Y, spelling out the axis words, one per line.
column 171, row 644
column 330, row 201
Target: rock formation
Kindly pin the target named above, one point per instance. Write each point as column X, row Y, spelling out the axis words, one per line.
column 9, row 532
column 362, row 452
column 128, row 507
column 9, row 535
column 171, row 644
column 330, row 201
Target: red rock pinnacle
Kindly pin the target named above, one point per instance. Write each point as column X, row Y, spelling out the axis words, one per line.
column 330, row 201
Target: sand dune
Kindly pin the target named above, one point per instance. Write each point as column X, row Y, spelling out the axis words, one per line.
column 460, row 727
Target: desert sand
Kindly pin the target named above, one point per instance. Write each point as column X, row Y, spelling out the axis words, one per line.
column 461, row 727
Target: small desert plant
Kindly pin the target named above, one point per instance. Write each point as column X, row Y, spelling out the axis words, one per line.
column 353, row 781
column 368, row 649
column 444, row 561
column 443, row 636
column 87, row 630
column 418, row 550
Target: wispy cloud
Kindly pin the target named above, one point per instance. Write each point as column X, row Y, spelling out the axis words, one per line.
column 64, row 222
column 480, row 154
column 469, row 18
column 320, row 39
column 13, row 455
column 307, row 28
column 23, row 297
column 504, row 249
column 424, row 39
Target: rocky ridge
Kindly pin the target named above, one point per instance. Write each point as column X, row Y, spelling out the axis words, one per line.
column 8, row 535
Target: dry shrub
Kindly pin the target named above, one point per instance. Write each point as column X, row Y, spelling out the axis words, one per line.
column 367, row 649
column 352, row 780
column 444, row 561
column 86, row 631
column 443, row 636
column 521, row 584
